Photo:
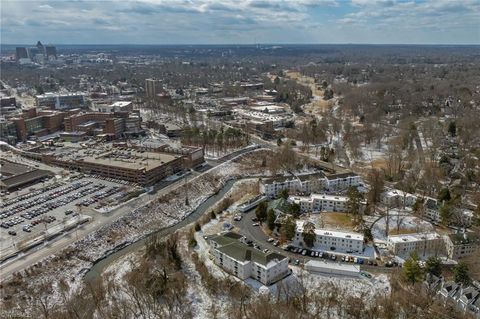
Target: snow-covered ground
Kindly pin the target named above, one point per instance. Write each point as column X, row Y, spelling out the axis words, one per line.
column 371, row 152
column 378, row 284
column 71, row 263
column 402, row 220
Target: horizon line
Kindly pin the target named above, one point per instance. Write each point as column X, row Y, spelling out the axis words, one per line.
column 250, row 44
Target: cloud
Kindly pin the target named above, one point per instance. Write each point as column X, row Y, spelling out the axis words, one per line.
column 239, row 21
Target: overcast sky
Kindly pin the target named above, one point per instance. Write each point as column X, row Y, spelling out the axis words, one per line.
column 240, row 21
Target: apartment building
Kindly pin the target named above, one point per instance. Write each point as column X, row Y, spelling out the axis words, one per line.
column 397, row 198
column 348, row 242
column 461, row 245
column 342, row 181
column 424, row 244
column 244, row 262
column 320, row 203
column 306, row 184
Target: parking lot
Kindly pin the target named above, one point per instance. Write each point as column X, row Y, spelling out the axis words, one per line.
column 27, row 214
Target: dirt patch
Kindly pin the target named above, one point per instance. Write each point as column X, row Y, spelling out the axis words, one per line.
column 336, row 219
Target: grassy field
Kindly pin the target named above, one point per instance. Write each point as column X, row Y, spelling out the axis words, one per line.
column 317, row 106
column 335, row 219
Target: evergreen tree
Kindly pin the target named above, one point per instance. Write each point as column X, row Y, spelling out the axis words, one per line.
column 354, row 199
column 412, row 270
column 452, row 129
column 460, row 273
column 446, row 214
column 444, row 195
column 284, row 194
column 271, row 219
column 294, row 210
column 433, row 266
column 261, row 211
column 308, row 234
column 288, row 229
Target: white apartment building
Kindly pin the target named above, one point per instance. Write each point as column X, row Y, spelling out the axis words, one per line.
column 306, row 184
column 320, row 203
column 424, row 244
column 342, row 181
column 245, row 262
column 397, row 198
column 461, row 245
column 330, row 240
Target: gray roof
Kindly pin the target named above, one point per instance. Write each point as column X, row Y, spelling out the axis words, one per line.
column 341, row 175
column 243, row 252
column 464, row 238
column 230, row 245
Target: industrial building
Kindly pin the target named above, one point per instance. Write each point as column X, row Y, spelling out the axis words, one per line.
column 14, row 176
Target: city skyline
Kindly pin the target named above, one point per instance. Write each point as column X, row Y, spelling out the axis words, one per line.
column 248, row 22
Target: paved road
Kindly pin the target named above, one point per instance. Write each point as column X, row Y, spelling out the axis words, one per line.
column 255, row 233
column 40, row 252
column 36, row 254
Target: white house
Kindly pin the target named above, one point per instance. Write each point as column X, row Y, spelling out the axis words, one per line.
column 422, row 243
column 244, row 262
column 320, row 203
column 330, row 240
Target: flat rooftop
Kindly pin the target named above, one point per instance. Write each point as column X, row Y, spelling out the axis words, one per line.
column 132, row 159
column 332, row 233
column 329, row 265
column 413, row 237
column 312, row 197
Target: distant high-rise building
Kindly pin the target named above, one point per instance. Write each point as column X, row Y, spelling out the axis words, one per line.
column 32, row 52
column 21, row 53
column 40, row 47
column 36, row 53
column 153, row 87
column 51, row 51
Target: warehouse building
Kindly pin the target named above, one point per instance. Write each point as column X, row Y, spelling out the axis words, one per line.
column 14, row 176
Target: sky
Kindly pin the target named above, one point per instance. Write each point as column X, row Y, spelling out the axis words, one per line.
column 240, row 21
